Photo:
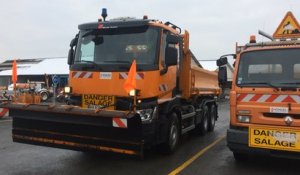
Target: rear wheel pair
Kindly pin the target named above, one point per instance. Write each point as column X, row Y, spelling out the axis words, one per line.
column 208, row 120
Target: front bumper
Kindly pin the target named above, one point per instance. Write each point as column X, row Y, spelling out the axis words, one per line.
column 237, row 141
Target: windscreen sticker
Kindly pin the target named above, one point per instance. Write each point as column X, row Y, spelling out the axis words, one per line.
column 240, row 80
column 106, row 75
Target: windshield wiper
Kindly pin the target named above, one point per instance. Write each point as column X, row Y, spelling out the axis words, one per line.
column 266, row 83
column 86, row 61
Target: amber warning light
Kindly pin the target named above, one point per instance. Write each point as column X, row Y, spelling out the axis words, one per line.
column 252, row 39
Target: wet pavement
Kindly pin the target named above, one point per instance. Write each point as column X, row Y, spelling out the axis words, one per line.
column 16, row 158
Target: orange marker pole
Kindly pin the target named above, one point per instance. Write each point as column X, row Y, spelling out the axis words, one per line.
column 14, row 77
column 130, row 83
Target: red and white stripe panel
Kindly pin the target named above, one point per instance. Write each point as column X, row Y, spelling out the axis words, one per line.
column 119, row 122
column 82, row 75
column 274, row 98
column 124, row 75
column 4, row 112
column 163, row 87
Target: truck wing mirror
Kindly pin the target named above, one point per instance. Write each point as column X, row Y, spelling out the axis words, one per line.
column 71, row 56
column 74, row 42
column 222, row 61
column 171, row 56
column 222, row 75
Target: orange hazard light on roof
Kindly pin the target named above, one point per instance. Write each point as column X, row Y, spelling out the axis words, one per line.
column 288, row 28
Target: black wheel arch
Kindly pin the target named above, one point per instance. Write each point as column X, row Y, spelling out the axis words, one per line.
column 169, row 107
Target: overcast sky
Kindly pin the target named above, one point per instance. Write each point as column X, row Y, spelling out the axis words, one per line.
column 40, row 28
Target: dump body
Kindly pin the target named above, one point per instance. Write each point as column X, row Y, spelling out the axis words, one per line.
column 204, row 82
column 174, row 96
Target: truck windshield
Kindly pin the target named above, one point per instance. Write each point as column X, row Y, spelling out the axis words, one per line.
column 115, row 48
column 270, row 68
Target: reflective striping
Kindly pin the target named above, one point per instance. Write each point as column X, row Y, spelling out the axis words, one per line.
column 255, row 98
column 241, row 96
column 263, row 98
column 247, row 98
column 139, row 76
column 124, row 75
column 289, row 99
column 280, row 98
column 163, row 87
column 268, row 98
column 88, row 75
column 4, row 112
column 271, row 98
column 82, row 75
column 296, row 98
column 119, row 122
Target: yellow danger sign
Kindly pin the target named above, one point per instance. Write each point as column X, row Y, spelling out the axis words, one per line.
column 96, row 101
column 274, row 138
column 288, row 28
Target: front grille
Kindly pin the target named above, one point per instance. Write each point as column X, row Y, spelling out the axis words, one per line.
column 279, row 115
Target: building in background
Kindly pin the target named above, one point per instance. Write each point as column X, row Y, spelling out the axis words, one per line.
column 35, row 70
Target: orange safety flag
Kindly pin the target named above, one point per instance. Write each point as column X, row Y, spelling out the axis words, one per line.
column 14, row 73
column 130, row 83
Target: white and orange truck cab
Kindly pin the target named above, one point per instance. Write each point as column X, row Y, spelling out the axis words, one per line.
column 265, row 95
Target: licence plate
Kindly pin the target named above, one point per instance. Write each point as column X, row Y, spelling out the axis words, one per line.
column 274, row 138
column 98, row 101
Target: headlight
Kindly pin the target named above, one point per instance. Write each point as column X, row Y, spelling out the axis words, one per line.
column 68, row 89
column 147, row 114
column 243, row 119
column 132, row 93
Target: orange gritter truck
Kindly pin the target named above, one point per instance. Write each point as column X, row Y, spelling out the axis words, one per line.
column 174, row 94
column 265, row 95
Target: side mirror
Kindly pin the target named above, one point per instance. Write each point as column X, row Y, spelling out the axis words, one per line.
column 222, row 75
column 71, row 56
column 222, row 61
column 171, row 56
column 73, row 42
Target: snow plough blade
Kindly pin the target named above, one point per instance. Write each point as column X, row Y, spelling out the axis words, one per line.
column 76, row 128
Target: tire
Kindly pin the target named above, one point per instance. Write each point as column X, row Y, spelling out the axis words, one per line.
column 203, row 126
column 44, row 96
column 240, row 156
column 171, row 143
column 212, row 118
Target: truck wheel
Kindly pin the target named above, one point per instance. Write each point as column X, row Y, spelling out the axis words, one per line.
column 44, row 96
column 240, row 156
column 173, row 135
column 203, row 127
column 212, row 118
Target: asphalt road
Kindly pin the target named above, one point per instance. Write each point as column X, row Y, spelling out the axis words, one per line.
column 207, row 155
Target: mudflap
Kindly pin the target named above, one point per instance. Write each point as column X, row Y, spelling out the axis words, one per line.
column 77, row 128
